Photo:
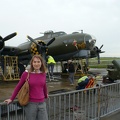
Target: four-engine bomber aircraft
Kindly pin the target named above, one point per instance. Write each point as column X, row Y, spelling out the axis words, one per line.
column 60, row 45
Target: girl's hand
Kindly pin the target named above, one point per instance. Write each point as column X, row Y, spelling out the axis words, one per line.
column 8, row 101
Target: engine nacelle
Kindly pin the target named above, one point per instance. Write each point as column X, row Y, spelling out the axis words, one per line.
column 35, row 49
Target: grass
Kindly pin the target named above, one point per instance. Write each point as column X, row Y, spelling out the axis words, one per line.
column 104, row 61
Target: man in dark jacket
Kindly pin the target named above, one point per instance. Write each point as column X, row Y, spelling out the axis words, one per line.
column 71, row 71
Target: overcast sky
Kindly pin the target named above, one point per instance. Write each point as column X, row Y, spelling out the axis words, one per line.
column 100, row 18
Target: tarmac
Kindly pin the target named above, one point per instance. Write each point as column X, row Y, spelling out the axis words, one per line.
column 58, row 83
column 112, row 116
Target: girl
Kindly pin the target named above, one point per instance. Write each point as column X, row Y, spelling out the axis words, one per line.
column 36, row 108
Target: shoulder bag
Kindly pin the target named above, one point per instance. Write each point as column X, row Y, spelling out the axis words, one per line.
column 23, row 94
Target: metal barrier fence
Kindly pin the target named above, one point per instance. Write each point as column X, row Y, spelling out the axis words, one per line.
column 87, row 104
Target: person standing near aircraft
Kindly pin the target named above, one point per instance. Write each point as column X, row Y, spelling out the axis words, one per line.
column 51, row 62
column 85, row 68
column 71, row 71
column 36, row 108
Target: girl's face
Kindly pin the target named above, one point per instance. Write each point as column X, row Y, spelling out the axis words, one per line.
column 36, row 63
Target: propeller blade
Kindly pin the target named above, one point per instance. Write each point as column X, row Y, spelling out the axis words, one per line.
column 102, row 51
column 1, row 38
column 10, row 36
column 51, row 41
column 44, row 56
column 98, row 56
column 32, row 40
column 101, row 46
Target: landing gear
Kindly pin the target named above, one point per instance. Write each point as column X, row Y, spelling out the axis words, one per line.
column 81, row 69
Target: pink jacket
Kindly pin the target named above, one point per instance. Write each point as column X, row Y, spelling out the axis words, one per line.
column 37, row 84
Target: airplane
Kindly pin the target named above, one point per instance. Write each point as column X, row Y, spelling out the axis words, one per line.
column 60, row 45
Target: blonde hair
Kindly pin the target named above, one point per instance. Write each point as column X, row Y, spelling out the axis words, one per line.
column 43, row 66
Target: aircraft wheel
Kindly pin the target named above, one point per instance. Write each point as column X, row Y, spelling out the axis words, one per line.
column 21, row 68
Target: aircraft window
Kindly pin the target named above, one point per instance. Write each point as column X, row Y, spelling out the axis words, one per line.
column 92, row 41
column 60, row 33
column 87, row 37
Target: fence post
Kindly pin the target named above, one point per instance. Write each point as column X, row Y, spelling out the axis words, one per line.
column 99, row 103
column 0, row 113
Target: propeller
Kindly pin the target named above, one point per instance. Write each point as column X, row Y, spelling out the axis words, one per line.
column 42, row 48
column 2, row 40
column 98, row 51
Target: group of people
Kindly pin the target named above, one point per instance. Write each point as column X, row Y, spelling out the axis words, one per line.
column 36, row 108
